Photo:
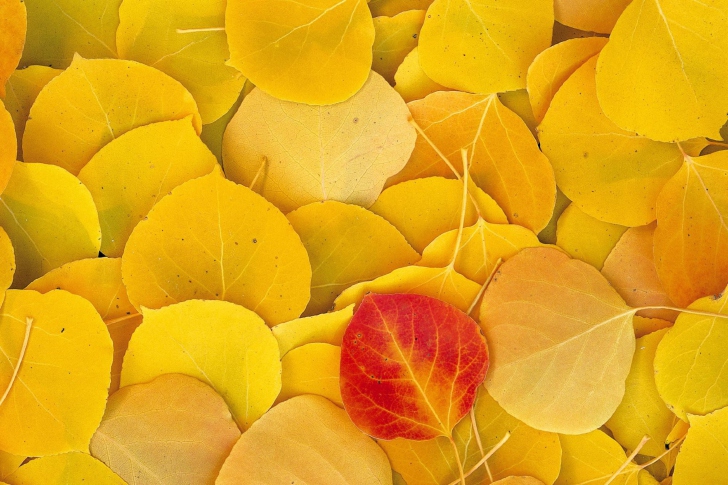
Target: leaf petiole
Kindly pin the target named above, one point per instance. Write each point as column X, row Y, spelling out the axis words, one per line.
column 28, row 326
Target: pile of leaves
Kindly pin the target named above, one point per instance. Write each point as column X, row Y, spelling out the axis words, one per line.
column 337, row 242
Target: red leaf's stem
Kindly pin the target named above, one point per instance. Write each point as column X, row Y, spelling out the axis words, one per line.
column 459, row 460
column 482, row 460
column 474, row 427
column 28, row 326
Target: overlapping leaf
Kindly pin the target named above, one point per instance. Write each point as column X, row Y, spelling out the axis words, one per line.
column 63, row 470
column 13, row 26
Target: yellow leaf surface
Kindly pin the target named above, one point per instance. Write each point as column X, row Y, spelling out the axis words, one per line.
column 703, row 457
column 65, row 469
column 222, row 344
column 21, row 89
column 690, row 359
column 513, row 480
column 642, row 411
column 563, row 33
column 7, row 262
column 442, row 283
column 589, row 15
column 519, row 102
column 93, row 102
column 548, row 233
column 481, row 246
column 50, row 218
column 630, row 268
column 306, row 439
column 611, row 174
column 99, row 281
column 311, row 369
column 325, row 328
column 8, row 146
column 527, row 451
column 13, row 26
column 198, row 243
column 172, row 430
column 59, row 29
column 297, row 154
column 506, row 161
column 422, row 209
column 554, row 66
column 645, row 326
column 310, row 51
column 586, row 238
column 663, row 72
column 54, row 373
column 213, row 133
column 484, row 46
column 9, row 463
column 394, row 38
column 346, row 244
column 391, row 8
column 411, row 82
column 561, row 341
column 175, row 37
column 130, row 174
column 691, row 239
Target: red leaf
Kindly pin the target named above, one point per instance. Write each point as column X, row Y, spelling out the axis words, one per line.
column 410, row 366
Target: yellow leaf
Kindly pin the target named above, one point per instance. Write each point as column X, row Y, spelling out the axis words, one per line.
column 306, row 439
column 94, row 101
column 59, row 29
column 519, row 102
column 411, row 82
column 518, row 481
column 642, row 412
column 197, row 242
column 346, row 245
column 691, row 239
column 130, row 174
column 312, row 51
column 8, row 146
column 99, row 281
column 174, row 429
column 586, row 238
column 690, row 359
column 611, row 174
column 391, row 8
column 13, row 26
column 298, row 154
column 548, row 233
column 394, row 38
column 179, row 39
column 9, row 463
column 645, row 326
column 664, row 70
column 555, row 65
column 54, row 373
column 484, row 46
column 527, row 451
column 50, row 218
column 561, row 341
column 481, row 246
column 589, row 15
column 703, row 457
column 442, row 283
column 630, row 268
column 66, row 469
column 326, row 328
column 311, row 369
column 212, row 134
column 506, row 161
column 22, row 88
column 220, row 343
column 7, row 262
column 563, row 33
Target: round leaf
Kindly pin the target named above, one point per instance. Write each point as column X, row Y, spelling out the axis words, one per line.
column 586, row 238
column 589, row 15
column 13, row 25
column 311, row 369
column 326, row 328
column 8, row 146
column 394, row 38
column 703, row 457
column 66, row 469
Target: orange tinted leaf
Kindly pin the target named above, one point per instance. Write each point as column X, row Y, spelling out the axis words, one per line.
column 8, row 146
column 589, row 15
column 13, row 24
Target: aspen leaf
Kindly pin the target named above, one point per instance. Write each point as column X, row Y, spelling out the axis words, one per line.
column 306, row 439
column 174, row 429
column 662, row 50
column 645, row 326
column 548, row 233
column 586, row 238
column 691, row 248
column 519, row 102
column 8, row 146
column 563, row 33
column 65, row 469
column 222, row 344
column 484, row 46
column 50, row 218
column 301, row 154
column 13, row 25
column 346, row 245
column 22, row 88
column 703, row 457
column 518, row 481
column 390, row 8
column 130, row 174
column 311, row 369
column 93, row 102
column 212, row 133
column 548, row 320
column 325, row 328
column 410, row 366
column 215, row 240
column 7, row 262
column 411, row 82
column 178, row 39
column 98, row 280
column 690, row 359
column 506, row 161
column 394, row 38
column 611, row 174
column 9, row 463
column 322, row 47
column 589, row 15
column 54, row 373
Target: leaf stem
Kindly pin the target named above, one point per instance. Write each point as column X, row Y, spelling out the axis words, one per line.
column 207, row 29
column 421, row 132
column 28, row 326
column 485, row 285
column 458, row 459
column 260, row 170
column 629, row 459
column 683, row 310
column 463, row 209
column 484, row 459
column 474, row 427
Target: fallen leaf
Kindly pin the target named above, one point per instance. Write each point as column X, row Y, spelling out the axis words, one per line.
column 411, row 82
column 586, row 238
column 65, row 469
column 7, row 263
column 9, row 463
column 703, row 457
column 325, row 328
column 589, row 15
column 519, row 481
column 548, row 233
column 519, row 102
column 391, row 8
column 213, row 133
column 394, row 38
column 645, row 326
column 8, row 146
column 13, row 26
column 311, row 369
